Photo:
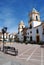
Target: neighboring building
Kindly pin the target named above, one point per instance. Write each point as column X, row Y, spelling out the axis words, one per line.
column 1, row 36
column 35, row 31
column 12, row 37
column 6, row 36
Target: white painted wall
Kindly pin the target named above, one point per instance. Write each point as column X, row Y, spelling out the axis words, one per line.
column 40, row 32
column 21, row 38
column 33, row 34
column 36, row 23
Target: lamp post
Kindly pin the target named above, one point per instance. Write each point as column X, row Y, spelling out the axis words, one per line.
column 3, row 32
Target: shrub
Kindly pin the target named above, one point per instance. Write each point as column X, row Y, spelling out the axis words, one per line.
column 26, row 42
column 40, row 42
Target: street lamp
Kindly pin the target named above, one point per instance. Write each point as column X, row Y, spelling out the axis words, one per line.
column 3, row 32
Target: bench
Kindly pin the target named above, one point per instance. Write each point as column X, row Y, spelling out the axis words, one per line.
column 10, row 50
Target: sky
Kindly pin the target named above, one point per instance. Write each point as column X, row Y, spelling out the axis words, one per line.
column 13, row 11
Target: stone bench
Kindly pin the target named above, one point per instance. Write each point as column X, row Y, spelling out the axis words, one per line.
column 10, row 50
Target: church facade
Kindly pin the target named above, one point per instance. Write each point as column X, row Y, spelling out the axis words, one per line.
column 35, row 30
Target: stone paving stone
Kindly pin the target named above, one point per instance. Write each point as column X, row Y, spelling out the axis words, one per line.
column 36, row 58
column 12, row 63
column 29, row 51
column 37, row 54
column 8, row 63
column 33, row 62
column 23, row 56
column 43, row 52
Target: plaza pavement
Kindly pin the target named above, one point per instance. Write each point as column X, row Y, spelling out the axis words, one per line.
column 30, row 54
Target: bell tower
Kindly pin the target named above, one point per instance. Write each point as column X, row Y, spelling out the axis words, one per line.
column 34, row 16
column 21, row 26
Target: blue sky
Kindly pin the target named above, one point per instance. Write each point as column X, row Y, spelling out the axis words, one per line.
column 13, row 11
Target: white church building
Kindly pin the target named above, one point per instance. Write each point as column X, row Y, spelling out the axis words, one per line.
column 20, row 33
column 35, row 29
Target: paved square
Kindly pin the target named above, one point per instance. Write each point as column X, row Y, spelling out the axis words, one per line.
column 30, row 54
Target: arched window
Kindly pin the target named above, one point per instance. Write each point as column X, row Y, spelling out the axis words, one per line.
column 30, row 26
column 30, row 38
column 36, row 18
column 37, row 31
column 22, row 27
